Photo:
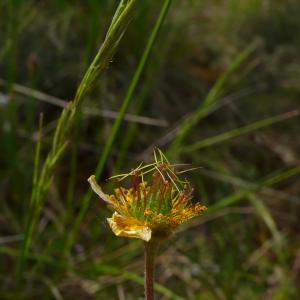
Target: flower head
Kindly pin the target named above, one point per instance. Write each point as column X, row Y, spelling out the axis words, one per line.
column 153, row 208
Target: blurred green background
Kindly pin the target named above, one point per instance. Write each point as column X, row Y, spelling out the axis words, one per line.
column 220, row 91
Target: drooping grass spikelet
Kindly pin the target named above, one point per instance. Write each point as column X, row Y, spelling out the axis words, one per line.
column 69, row 115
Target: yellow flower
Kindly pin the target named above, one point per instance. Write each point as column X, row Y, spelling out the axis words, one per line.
column 154, row 210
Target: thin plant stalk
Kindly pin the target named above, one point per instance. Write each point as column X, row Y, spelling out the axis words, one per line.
column 150, row 254
column 161, row 58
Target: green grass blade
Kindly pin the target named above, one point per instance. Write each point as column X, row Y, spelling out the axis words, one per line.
column 32, row 205
column 266, row 216
column 212, row 97
column 153, row 69
column 239, row 131
column 232, row 199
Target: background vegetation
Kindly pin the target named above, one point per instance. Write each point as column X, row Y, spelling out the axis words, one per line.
column 220, row 90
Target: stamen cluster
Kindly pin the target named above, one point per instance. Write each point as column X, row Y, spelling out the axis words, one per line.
column 150, row 210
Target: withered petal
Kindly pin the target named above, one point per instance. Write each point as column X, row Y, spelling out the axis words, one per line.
column 97, row 189
column 128, row 227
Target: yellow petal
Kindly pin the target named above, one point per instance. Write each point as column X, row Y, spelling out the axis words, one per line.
column 97, row 189
column 127, row 227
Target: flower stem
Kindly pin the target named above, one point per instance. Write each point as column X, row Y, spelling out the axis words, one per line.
column 150, row 251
